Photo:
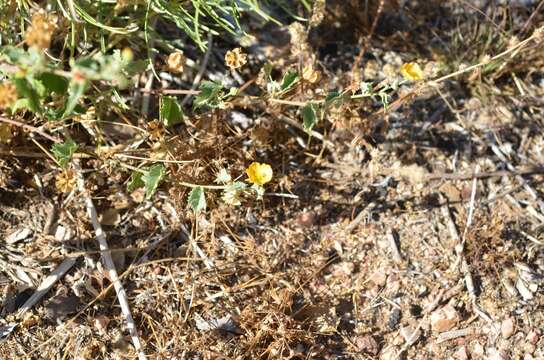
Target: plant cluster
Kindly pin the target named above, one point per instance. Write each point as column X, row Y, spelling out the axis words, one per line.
column 60, row 92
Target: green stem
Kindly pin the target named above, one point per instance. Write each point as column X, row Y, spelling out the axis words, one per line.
column 190, row 185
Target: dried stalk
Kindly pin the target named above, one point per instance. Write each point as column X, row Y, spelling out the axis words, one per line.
column 109, row 264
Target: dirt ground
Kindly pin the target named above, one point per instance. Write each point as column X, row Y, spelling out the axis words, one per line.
column 414, row 234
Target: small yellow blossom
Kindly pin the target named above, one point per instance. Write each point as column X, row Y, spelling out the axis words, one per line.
column 176, row 62
column 235, row 59
column 127, row 54
column 8, row 94
column 411, row 71
column 66, row 181
column 41, row 30
column 259, row 174
column 310, row 74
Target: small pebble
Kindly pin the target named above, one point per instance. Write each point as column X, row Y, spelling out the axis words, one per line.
column 533, row 336
column 529, row 348
column 507, row 327
column 415, row 310
column 379, row 277
column 525, row 293
column 478, row 349
column 444, row 319
column 394, row 318
column 461, row 353
column 390, row 354
column 410, row 334
column 306, row 219
column 496, row 354
column 101, row 322
column 367, row 344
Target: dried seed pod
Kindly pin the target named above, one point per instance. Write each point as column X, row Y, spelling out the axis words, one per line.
column 66, row 181
column 176, row 62
column 8, row 94
column 41, row 30
column 235, row 59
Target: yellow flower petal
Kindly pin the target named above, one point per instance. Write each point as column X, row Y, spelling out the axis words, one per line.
column 411, row 71
column 259, row 174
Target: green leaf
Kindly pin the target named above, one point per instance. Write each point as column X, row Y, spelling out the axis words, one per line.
column 76, row 91
column 267, row 68
column 333, row 98
column 289, row 80
column 27, row 91
column 63, row 152
column 210, row 95
column 259, row 191
column 19, row 104
column 170, row 111
column 54, row 83
column 14, row 54
column 31, row 59
column 152, row 178
column 366, row 88
column 197, row 200
column 135, row 181
column 309, row 117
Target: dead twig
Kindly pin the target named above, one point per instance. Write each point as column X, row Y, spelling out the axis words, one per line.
column 109, row 264
column 459, row 250
column 454, row 334
column 170, row 91
column 392, row 240
column 46, row 284
column 487, row 174
column 30, row 128
column 358, row 219
column 531, row 18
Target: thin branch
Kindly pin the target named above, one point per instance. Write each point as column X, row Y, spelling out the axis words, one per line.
column 479, row 175
column 109, row 264
column 46, row 284
column 170, row 91
column 30, row 128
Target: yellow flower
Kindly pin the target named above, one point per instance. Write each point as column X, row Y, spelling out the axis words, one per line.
column 259, row 174
column 176, row 62
column 235, row 59
column 411, row 71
